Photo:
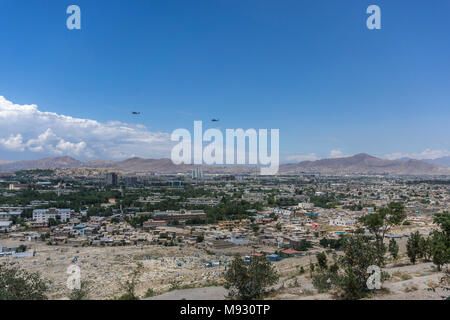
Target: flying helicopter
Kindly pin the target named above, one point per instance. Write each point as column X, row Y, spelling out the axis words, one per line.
column 215, row 120
column 135, row 113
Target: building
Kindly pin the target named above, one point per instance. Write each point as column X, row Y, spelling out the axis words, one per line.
column 197, row 174
column 111, row 179
column 5, row 216
column 131, row 181
column 181, row 215
column 239, row 239
column 152, row 224
column 5, row 226
column 203, row 201
column 43, row 215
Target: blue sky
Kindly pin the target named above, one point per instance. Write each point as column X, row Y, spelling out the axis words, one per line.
column 310, row 68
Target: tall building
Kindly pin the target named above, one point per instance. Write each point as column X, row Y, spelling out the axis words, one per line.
column 112, row 179
column 131, row 181
column 197, row 173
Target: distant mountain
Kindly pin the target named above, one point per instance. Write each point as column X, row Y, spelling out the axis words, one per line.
column 360, row 163
column 444, row 161
column 129, row 165
column 99, row 164
column 365, row 164
column 167, row 166
column 59, row 162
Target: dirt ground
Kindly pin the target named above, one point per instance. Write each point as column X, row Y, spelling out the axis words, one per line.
column 104, row 268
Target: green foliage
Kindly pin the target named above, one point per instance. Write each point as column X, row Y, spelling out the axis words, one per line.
column 249, row 281
column 332, row 243
column 324, row 278
column 439, row 249
column 359, row 253
column 322, row 260
column 230, row 209
column 393, row 249
column 82, row 293
column 380, row 222
column 324, row 242
column 18, row 284
column 413, row 247
column 321, row 280
column 303, row 245
column 443, row 220
column 425, row 248
column 327, row 201
column 150, row 293
column 440, row 240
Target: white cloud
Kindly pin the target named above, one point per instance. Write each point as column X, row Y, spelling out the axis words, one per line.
column 336, row 154
column 24, row 128
column 13, row 143
column 426, row 154
column 302, row 157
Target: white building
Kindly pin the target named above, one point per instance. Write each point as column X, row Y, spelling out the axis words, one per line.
column 5, row 226
column 43, row 215
column 339, row 221
column 306, row 205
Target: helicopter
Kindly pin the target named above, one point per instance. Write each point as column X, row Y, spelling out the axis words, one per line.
column 136, row 113
column 215, row 120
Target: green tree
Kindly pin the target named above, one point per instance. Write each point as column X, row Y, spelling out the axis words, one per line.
column 249, row 281
column 322, row 260
column 380, row 222
column 425, row 248
column 393, row 249
column 359, row 253
column 324, row 242
column 443, row 220
column 413, row 247
column 18, row 284
column 440, row 240
column 440, row 249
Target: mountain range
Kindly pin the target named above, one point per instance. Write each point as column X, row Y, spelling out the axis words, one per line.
column 444, row 161
column 366, row 164
column 357, row 164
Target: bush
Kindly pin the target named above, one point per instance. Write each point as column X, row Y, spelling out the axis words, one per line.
column 18, row 284
column 250, row 281
column 150, row 293
column 80, row 294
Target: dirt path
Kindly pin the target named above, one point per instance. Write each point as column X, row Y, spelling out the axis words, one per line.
column 207, row 293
